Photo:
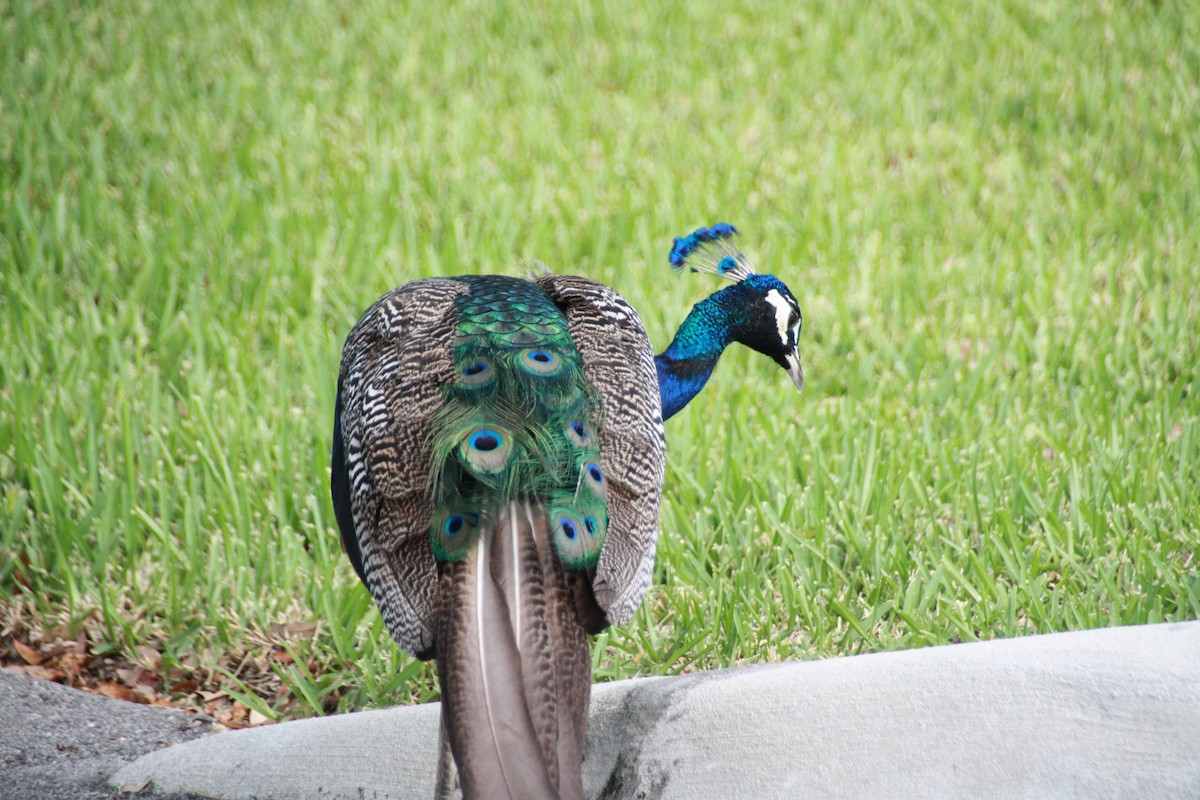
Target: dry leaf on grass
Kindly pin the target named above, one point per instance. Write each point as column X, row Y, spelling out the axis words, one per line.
column 137, row 676
column 117, row 692
column 150, row 658
column 71, row 662
column 35, row 671
column 258, row 718
column 295, row 630
column 64, row 654
column 30, row 654
column 237, row 715
column 282, row 657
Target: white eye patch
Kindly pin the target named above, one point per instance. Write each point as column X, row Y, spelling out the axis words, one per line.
column 783, row 311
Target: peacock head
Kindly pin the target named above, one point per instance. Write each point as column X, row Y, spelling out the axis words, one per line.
column 762, row 313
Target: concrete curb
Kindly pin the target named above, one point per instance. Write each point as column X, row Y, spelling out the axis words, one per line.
column 1094, row 714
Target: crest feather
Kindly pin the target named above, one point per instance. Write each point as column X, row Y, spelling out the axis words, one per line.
column 711, row 250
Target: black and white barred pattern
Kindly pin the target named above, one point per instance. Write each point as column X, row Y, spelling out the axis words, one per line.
column 395, row 364
column 619, row 362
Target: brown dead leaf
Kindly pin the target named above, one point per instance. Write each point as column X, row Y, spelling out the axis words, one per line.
column 29, row 654
column 184, row 687
column 134, row 788
column 295, row 630
column 129, row 675
column 37, row 671
column 144, row 694
column 151, row 659
column 259, row 718
column 115, row 691
column 236, row 715
column 71, row 663
column 282, row 657
column 48, row 674
column 136, row 675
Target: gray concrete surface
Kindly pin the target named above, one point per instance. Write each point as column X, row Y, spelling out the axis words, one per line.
column 1111, row 713
column 58, row 743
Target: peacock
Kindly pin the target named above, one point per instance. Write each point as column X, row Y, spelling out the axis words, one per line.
column 498, row 454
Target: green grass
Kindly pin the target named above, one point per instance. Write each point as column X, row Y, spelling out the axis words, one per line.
column 987, row 210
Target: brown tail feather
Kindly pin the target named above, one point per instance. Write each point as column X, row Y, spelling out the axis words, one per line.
column 513, row 664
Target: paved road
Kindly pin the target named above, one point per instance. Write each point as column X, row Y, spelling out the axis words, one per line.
column 58, row 743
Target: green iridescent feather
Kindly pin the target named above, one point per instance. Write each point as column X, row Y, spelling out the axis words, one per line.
column 516, row 424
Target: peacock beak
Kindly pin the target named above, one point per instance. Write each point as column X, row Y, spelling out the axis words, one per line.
column 795, row 369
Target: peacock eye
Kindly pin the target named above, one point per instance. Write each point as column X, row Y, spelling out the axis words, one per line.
column 578, row 433
column 485, row 440
column 568, row 528
column 477, row 373
column 793, row 318
column 541, row 362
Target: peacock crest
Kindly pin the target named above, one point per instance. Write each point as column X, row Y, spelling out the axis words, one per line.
column 712, row 250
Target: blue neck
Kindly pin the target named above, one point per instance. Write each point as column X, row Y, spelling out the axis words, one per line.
column 684, row 367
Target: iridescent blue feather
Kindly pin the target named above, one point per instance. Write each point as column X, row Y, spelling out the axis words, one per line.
column 711, row 250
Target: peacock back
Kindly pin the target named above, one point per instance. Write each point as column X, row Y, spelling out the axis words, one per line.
column 460, row 396
column 517, row 424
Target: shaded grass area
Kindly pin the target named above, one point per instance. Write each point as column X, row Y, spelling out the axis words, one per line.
column 987, row 211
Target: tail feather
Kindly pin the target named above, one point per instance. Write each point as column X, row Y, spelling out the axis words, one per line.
column 513, row 663
column 554, row 648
